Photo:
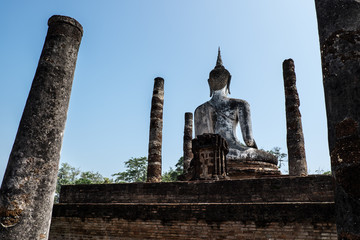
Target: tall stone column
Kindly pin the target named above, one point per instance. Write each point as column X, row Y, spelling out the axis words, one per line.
column 187, row 145
column 28, row 187
column 155, row 136
column 339, row 33
column 295, row 137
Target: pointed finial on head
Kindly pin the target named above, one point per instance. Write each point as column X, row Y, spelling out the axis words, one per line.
column 219, row 61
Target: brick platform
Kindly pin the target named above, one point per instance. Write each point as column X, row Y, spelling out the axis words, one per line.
column 273, row 208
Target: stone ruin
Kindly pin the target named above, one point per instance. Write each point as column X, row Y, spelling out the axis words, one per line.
column 27, row 190
column 276, row 207
column 209, row 162
column 221, row 115
column 295, row 136
column 218, row 119
column 155, row 135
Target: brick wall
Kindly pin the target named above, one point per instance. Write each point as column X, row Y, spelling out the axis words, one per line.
column 270, row 208
column 193, row 221
column 315, row 188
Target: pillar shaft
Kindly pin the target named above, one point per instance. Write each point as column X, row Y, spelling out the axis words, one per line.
column 155, row 136
column 339, row 33
column 295, row 137
column 28, row 187
column 187, row 146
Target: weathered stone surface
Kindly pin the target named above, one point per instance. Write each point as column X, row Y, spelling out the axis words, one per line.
column 221, row 115
column 295, row 137
column 187, row 147
column 251, row 169
column 219, row 77
column 155, row 136
column 339, row 33
column 209, row 160
column 28, row 187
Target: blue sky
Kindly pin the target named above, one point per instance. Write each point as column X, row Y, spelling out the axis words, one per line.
column 126, row 44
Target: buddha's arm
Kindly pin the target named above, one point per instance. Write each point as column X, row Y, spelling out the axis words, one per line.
column 203, row 120
column 245, row 124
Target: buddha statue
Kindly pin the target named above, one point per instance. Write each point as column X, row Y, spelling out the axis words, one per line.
column 221, row 115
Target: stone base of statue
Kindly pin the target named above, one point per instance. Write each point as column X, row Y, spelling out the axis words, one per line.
column 213, row 160
column 251, row 163
column 209, row 162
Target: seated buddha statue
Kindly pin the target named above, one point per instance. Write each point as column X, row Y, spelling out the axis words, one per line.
column 221, row 115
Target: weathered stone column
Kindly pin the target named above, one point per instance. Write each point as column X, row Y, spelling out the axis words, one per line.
column 339, row 33
column 187, row 146
column 155, row 136
column 295, row 137
column 28, row 187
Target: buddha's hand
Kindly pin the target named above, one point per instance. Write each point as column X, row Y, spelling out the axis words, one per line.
column 251, row 143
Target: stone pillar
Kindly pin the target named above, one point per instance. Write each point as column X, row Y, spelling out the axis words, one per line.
column 155, row 136
column 187, row 147
column 295, row 137
column 339, row 33
column 28, row 187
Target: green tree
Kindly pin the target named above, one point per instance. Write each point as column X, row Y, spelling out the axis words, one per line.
column 172, row 174
column 90, row 178
column 323, row 172
column 136, row 170
column 68, row 175
column 279, row 155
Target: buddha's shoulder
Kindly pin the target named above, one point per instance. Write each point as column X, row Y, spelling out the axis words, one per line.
column 203, row 107
column 239, row 102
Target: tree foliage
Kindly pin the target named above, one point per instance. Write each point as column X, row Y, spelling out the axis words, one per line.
column 279, row 155
column 323, row 172
column 172, row 174
column 89, row 177
column 68, row 175
column 136, row 170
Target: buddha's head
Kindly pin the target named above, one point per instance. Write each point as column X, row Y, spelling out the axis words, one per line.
column 219, row 77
